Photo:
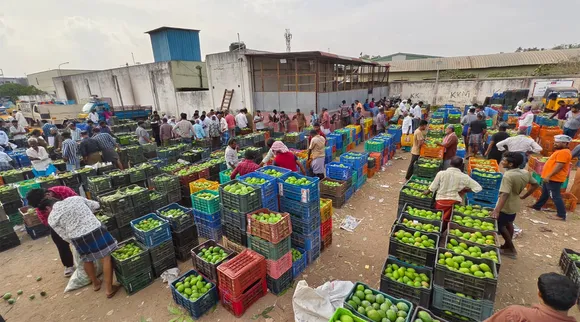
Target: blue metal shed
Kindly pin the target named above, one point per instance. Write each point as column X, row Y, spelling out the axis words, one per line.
column 175, row 44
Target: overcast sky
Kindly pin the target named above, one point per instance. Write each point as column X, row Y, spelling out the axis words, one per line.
column 37, row 35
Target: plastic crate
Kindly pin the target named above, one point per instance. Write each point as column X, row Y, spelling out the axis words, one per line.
column 183, row 253
column 268, row 189
column 101, row 185
column 118, row 180
column 9, row 241
column 165, row 183
column 278, row 285
column 185, row 236
column 415, row 201
column 174, row 196
column 177, row 223
column 271, row 203
column 125, row 232
column 432, row 152
column 161, row 251
column 305, row 226
column 412, row 254
column 478, row 310
column 134, row 283
column 573, row 273
column 134, row 264
column 418, row 309
column 121, row 205
column 484, row 249
column 29, row 220
column 9, row 193
column 38, row 231
column 326, row 210
column 355, row 159
column 337, row 191
column 276, row 268
column 486, row 183
column 207, row 206
column 207, row 269
column 393, row 300
column 235, row 234
column 566, row 262
column 241, row 272
column 336, row 172
column 207, row 217
column 23, row 188
column 300, row 265
column 303, row 193
column 267, row 249
column 243, row 203
column 271, row 232
column 155, row 236
column 234, row 217
column 306, row 242
column 12, row 178
column 417, row 295
column 326, row 242
column 453, row 226
column 232, row 245
column 208, row 185
column 482, row 203
column 300, row 209
column 326, row 228
column 488, row 220
column 340, row 312
column 200, row 306
column 478, row 288
column 6, row 228
column 209, row 229
column 237, row 305
column 157, row 200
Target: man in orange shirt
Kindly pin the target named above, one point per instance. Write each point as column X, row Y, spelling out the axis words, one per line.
column 555, row 172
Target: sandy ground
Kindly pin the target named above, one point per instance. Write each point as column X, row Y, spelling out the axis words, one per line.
column 357, row 256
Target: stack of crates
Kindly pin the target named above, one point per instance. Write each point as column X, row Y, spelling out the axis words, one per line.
column 268, row 186
column 490, row 183
column 34, row 227
column 341, row 174
column 325, row 223
column 328, row 155
column 302, row 202
column 206, row 213
column 169, row 185
column 234, row 210
column 134, row 271
column 242, row 281
column 10, row 204
column 358, row 162
column 196, row 307
column 273, row 241
column 183, row 230
column 338, row 143
column 208, row 269
column 158, row 241
column 125, row 207
column 8, row 237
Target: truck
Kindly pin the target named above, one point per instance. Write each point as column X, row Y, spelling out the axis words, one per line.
column 134, row 112
column 35, row 112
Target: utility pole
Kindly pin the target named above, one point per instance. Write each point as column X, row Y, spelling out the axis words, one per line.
column 439, row 62
column 288, row 37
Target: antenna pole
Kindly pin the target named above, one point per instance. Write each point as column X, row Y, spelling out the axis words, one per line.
column 288, row 37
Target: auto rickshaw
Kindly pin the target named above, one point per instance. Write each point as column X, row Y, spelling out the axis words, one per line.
column 554, row 94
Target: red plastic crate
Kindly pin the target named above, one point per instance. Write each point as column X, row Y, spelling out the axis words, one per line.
column 326, row 242
column 237, row 305
column 326, row 228
column 377, row 156
column 275, row 268
column 271, row 232
column 240, row 272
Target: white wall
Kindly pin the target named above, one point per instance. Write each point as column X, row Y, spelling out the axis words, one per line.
column 230, row 70
column 463, row 92
column 188, row 102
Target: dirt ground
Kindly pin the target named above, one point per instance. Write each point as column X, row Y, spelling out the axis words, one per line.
column 357, row 256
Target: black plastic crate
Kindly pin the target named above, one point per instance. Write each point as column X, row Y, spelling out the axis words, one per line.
column 119, row 205
column 177, row 223
column 235, row 234
column 186, row 236
column 9, row 241
column 207, row 269
column 174, row 196
column 161, row 251
column 417, row 295
column 115, row 234
column 9, row 194
column 70, row 179
column 98, row 184
column 159, row 201
column 165, row 183
column 136, row 175
column 118, row 179
column 573, row 273
column 139, row 198
column 38, row 231
column 478, row 288
column 243, row 203
column 412, row 254
column 133, row 265
column 125, row 232
column 141, row 210
column 277, row 286
column 565, row 261
column 45, row 184
column 183, row 253
column 109, row 222
column 12, row 207
column 444, row 300
column 137, row 282
column 234, row 217
column 5, row 227
column 164, row 264
column 13, row 178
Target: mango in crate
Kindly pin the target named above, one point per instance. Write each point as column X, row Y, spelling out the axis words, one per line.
column 338, row 165
column 173, row 213
column 297, row 181
column 213, row 254
column 126, row 251
column 206, row 196
column 331, row 183
column 148, row 224
column 416, row 193
column 273, row 173
column 418, row 186
column 416, row 239
column 460, row 264
column 461, row 248
column 377, row 307
column 296, row 255
column 427, row 214
column 407, row 275
column 574, row 257
column 323, row 203
column 255, row 180
column 238, row 189
column 473, row 223
column 476, row 237
column 430, row 228
column 271, row 218
column 472, row 210
column 193, row 287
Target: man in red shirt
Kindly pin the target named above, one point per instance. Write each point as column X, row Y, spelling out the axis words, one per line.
column 231, row 120
column 557, row 294
column 325, row 120
column 34, row 197
column 248, row 164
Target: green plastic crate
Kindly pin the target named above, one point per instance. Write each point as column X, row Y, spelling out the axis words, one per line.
column 203, row 205
column 269, row 250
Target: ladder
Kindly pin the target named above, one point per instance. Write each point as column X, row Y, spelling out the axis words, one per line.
column 227, row 99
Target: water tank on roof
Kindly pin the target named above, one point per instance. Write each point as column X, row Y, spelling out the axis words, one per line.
column 237, row 46
column 175, row 44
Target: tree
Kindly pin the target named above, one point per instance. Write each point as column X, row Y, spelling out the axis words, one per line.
column 562, row 46
column 567, row 46
column 369, row 57
column 12, row 91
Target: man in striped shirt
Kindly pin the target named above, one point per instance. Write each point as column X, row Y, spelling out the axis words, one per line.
column 70, row 152
column 74, row 131
column 107, row 144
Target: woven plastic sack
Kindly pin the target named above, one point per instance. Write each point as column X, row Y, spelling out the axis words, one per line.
column 80, row 278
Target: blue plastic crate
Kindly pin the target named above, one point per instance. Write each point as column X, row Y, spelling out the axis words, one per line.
column 348, row 193
column 357, row 160
column 486, row 204
column 300, row 265
column 206, row 216
column 209, row 230
column 330, row 142
column 334, row 171
column 272, row 167
column 306, row 242
column 489, row 196
column 313, row 254
column 179, row 222
column 216, row 223
column 460, row 153
column 337, row 138
column 486, row 183
column 361, row 181
column 155, row 236
column 339, row 145
column 300, row 209
column 305, row 226
column 268, row 189
column 304, row 193
column 327, row 159
column 203, row 304
column 328, row 151
column 271, row 203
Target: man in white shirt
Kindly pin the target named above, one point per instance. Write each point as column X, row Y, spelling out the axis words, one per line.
column 75, row 132
column 259, row 120
column 4, row 140
column 241, row 120
column 521, row 103
column 18, row 134
column 18, row 116
column 403, row 107
column 93, row 116
column 416, row 111
column 527, row 119
column 520, row 143
column 407, row 126
column 184, row 129
column 231, row 154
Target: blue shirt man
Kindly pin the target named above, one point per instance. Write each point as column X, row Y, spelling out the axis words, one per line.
column 198, row 130
column 46, row 128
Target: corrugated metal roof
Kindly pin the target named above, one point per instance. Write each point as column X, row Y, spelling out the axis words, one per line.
column 312, row 54
column 485, row 61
